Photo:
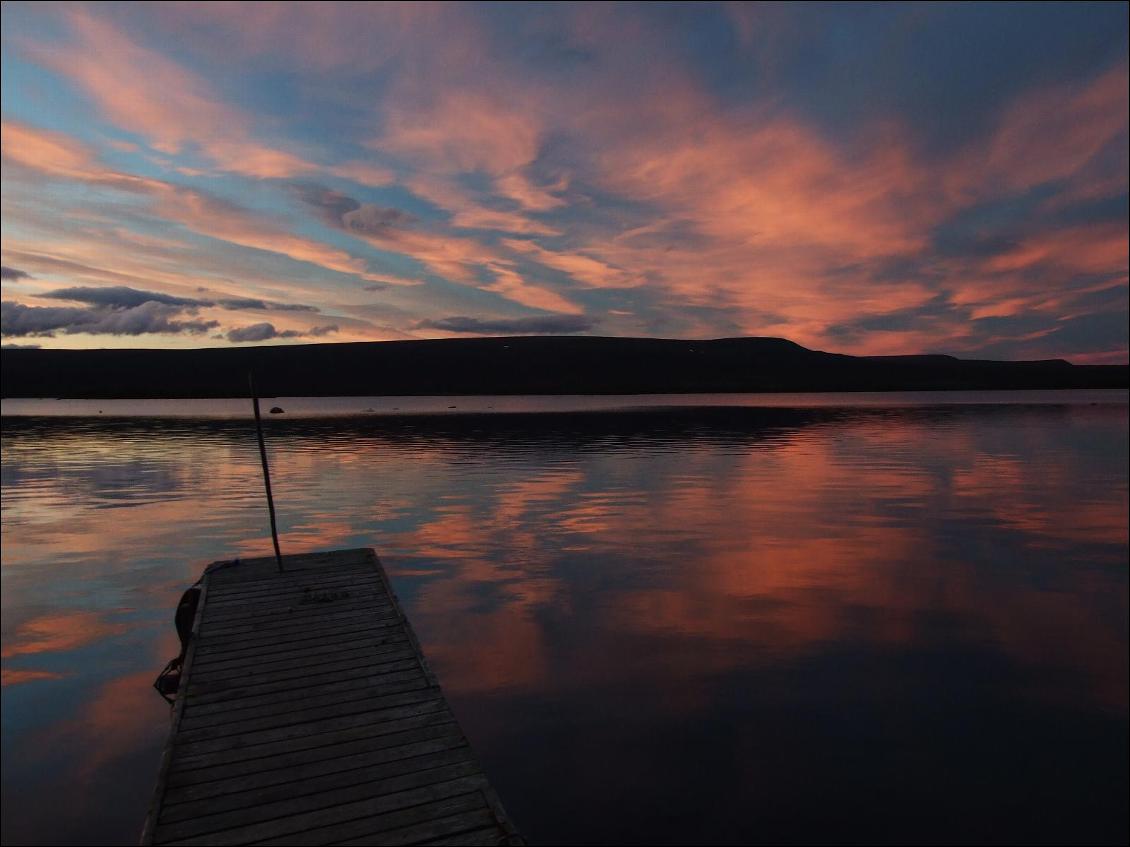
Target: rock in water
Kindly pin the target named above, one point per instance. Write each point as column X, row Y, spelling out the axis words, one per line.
column 276, row 410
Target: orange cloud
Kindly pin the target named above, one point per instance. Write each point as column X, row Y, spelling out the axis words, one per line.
column 144, row 92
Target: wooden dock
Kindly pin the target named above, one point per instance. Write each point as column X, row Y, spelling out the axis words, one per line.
column 306, row 714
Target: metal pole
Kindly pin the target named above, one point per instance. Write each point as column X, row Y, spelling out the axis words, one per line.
column 266, row 470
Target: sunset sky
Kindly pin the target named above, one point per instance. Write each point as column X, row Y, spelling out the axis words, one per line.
column 862, row 179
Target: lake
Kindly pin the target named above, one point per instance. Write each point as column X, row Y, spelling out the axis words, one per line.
column 728, row 619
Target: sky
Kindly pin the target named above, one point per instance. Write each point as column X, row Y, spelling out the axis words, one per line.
column 866, row 179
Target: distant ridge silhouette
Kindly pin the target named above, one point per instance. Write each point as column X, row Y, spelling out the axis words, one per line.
column 519, row 365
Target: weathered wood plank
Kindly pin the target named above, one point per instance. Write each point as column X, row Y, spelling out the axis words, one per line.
column 265, row 611
column 372, row 695
column 296, row 668
column 310, row 594
column 224, row 579
column 284, row 733
column 326, row 835
column 193, row 769
column 220, row 634
column 307, row 783
column 361, row 662
column 257, row 721
column 281, row 585
column 238, row 695
column 433, row 827
column 362, row 685
column 307, row 714
column 385, row 632
column 285, row 769
column 306, row 596
column 330, row 807
column 486, row 835
column 267, row 657
column 235, row 644
column 251, row 570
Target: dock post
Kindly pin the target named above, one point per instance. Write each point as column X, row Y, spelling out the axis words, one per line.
column 266, row 469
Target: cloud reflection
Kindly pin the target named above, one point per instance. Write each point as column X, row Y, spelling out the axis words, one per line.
column 884, row 591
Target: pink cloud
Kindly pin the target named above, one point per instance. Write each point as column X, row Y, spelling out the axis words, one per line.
column 1103, row 357
column 1052, row 133
column 1046, row 274
column 144, row 92
column 584, row 269
column 468, row 211
column 513, row 286
column 459, row 131
column 317, row 36
column 57, row 155
column 458, row 259
column 1081, row 249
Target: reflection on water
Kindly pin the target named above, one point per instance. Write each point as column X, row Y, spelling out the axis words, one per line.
column 727, row 624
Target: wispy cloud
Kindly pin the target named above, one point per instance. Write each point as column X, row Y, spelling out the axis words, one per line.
column 454, row 257
column 549, row 325
column 263, row 305
column 147, row 93
column 122, row 296
column 56, row 155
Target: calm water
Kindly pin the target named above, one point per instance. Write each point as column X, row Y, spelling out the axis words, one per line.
column 848, row 618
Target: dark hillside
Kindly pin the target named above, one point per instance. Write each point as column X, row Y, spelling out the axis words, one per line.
column 519, row 365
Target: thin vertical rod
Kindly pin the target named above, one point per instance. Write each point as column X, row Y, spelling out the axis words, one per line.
column 266, row 470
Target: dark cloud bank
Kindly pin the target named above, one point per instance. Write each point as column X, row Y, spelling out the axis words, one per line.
column 17, row 319
column 121, row 310
column 266, row 331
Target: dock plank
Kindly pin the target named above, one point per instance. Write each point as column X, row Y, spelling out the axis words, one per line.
column 307, row 714
column 286, row 769
column 214, row 766
column 318, row 694
column 232, row 692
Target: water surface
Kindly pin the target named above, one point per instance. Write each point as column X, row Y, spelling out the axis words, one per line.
column 842, row 619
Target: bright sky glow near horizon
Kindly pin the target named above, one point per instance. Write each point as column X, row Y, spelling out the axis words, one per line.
column 865, row 179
